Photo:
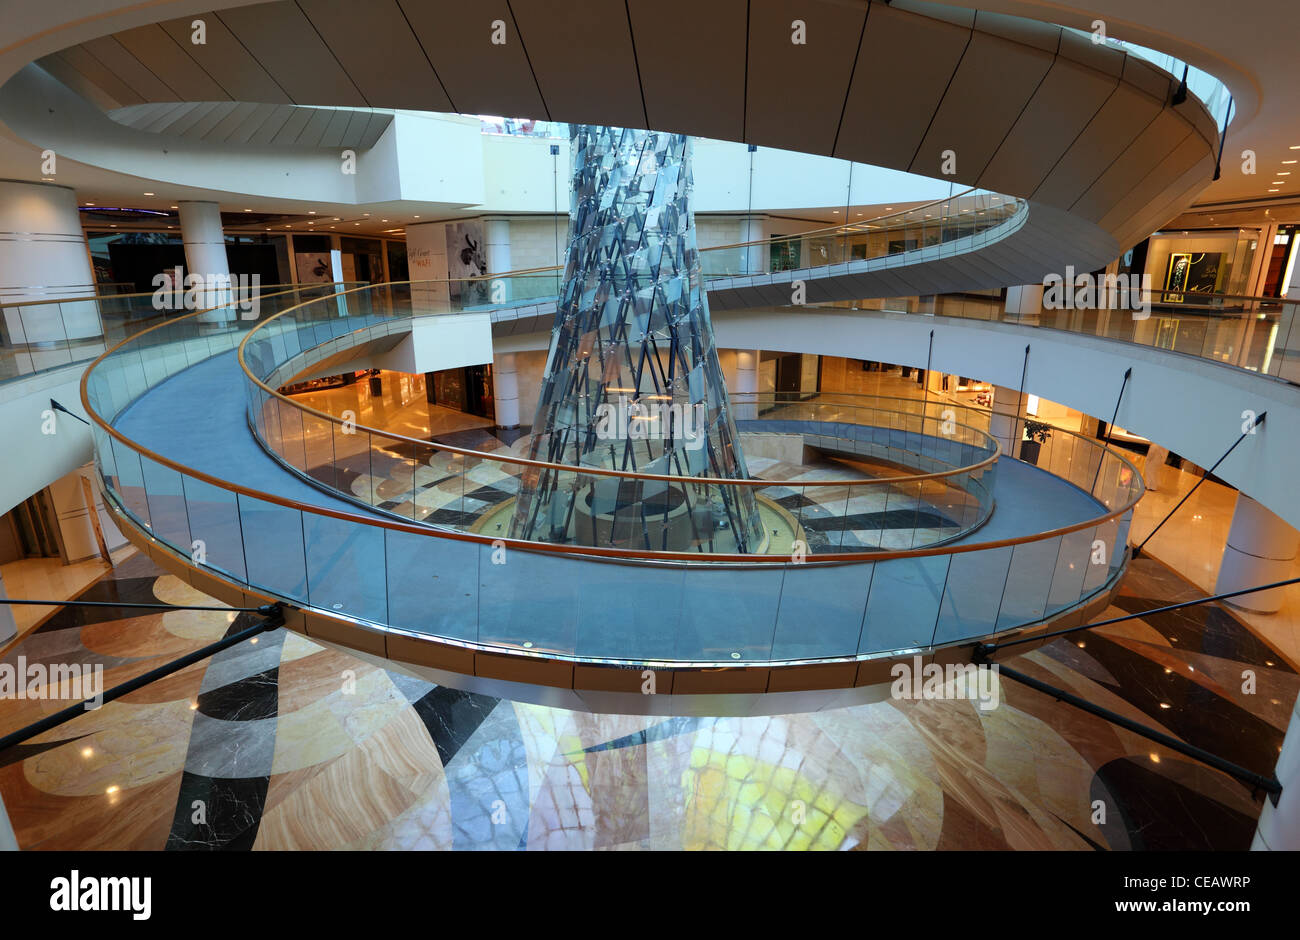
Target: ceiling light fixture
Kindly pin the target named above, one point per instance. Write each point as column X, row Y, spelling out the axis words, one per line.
column 148, row 194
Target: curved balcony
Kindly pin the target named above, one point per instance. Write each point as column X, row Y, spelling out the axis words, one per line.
column 944, row 491
column 570, row 623
column 37, row 335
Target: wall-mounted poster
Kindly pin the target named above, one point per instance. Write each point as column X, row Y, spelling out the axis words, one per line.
column 467, row 258
column 1193, row 273
column 313, row 267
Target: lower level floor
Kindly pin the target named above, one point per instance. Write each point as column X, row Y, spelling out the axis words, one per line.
column 279, row 743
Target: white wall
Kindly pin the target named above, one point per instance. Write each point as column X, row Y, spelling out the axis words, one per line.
column 1192, row 406
column 35, row 459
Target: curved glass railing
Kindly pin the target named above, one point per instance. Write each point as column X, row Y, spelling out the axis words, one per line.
column 39, row 335
column 967, row 214
column 945, row 491
column 1255, row 334
column 556, row 600
column 942, row 222
column 1211, row 92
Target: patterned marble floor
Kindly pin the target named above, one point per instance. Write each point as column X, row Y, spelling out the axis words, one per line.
column 281, row 744
column 455, row 491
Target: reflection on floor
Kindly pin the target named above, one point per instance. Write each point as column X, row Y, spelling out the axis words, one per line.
column 401, row 408
column 1192, row 541
column 50, row 578
column 283, row 744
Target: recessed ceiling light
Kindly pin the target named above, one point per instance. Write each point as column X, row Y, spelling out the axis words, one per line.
column 311, row 211
column 383, row 220
column 1272, row 190
column 148, row 194
column 1296, row 147
column 337, row 219
column 1277, row 182
column 417, row 216
column 248, row 210
column 173, row 207
column 90, row 203
column 1288, row 161
column 112, row 225
column 1284, row 173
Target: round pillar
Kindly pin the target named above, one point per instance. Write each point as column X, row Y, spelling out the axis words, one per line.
column 1279, row 826
column 1004, row 423
column 1261, row 549
column 753, row 260
column 1025, row 303
column 746, row 385
column 498, row 251
column 45, row 258
column 205, row 255
column 505, row 390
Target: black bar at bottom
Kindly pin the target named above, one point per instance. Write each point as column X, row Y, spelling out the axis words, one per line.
column 274, row 618
column 1269, row 785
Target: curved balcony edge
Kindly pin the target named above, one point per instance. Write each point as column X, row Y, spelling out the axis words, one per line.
column 617, row 686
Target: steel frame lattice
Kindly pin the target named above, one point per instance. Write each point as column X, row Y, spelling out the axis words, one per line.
column 632, row 379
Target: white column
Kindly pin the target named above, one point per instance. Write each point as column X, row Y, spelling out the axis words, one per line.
column 1025, row 302
column 205, row 255
column 746, row 408
column 1004, row 423
column 1279, row 826
column 505, row 389
column 44, row 257
column 1261, row 549
column 498, row 256
column 754, row 260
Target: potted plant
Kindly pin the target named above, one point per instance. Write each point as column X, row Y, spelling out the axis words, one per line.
column 1036, row 434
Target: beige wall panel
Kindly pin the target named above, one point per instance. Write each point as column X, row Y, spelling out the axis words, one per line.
column 377, row 48
column 171, row 63
column 283, row 40
column 691, row 57
column 796, row 93
column 1123, row 116
column 225, row 59
column 995, row 79
column 894, row 91
column 553, row 33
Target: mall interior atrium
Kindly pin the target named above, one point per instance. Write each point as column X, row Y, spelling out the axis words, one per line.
column 648, row 425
